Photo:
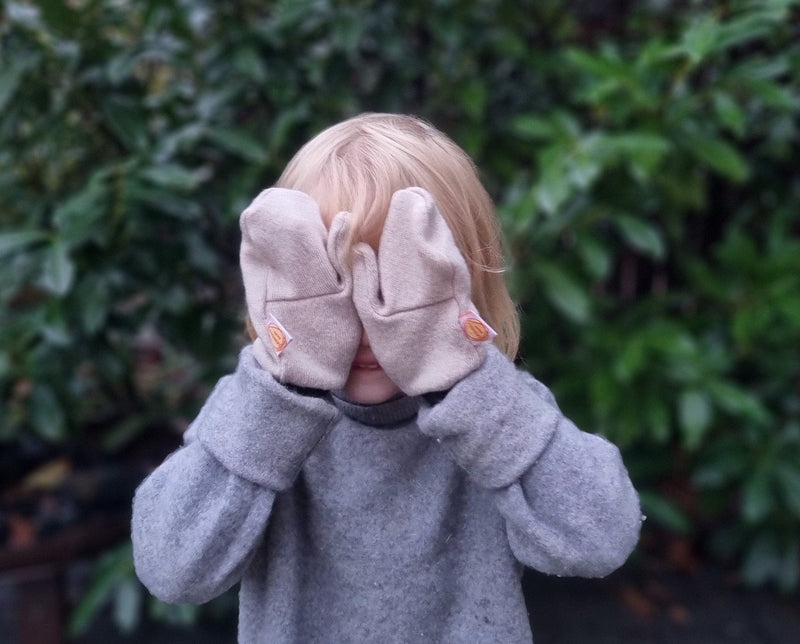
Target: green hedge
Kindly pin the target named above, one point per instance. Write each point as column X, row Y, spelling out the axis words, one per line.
column 644, row 166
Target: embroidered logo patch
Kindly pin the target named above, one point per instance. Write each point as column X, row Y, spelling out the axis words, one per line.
column 475, row 328
column 278, row 336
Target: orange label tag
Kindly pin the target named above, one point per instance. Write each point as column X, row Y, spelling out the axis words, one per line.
column 278, row 336
column 476, row 330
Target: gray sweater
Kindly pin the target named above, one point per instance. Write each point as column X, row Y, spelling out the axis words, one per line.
column 406, row 522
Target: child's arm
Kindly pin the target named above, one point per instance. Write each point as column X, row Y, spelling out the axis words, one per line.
column 198, row 517
column 569, row 505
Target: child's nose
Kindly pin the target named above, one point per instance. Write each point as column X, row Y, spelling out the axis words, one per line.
column 364, row 339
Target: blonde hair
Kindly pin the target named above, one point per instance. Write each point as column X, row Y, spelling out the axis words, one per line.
column 358, row 164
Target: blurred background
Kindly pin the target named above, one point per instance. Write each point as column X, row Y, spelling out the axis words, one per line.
column 643, row 157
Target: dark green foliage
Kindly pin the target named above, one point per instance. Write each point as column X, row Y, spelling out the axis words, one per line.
column 644, row 167
column 661, row 215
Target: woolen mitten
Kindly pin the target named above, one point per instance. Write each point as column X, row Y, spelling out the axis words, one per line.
column 414, row 299
column 298, row 290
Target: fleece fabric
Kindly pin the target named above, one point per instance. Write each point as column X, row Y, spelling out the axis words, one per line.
column 407, row 522
column 281, row 230
column 411, row 296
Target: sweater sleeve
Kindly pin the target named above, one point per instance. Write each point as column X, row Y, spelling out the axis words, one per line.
column 199, row 517
column 568, row 503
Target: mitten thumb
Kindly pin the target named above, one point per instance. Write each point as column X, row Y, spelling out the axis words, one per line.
column 337, row 238
column 366, row 281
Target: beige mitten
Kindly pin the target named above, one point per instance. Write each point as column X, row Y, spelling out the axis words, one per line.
column 414, row 299
column 298, row 290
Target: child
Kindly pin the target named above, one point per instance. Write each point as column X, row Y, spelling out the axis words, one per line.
column 376, row 469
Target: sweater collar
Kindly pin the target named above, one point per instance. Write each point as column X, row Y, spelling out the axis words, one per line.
column 384, row 415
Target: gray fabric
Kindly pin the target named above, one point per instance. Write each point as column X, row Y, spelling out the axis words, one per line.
column 231, row 426
column 281, row 231
column 410, row 297
column 408, row 526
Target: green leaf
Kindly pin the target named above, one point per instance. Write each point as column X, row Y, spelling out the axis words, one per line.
column 347, row 31
column 473, row 97
column 174, row 176
column 595, row 256
column 672, row 340
column 80, row 217
column 9, row 82
column 176, row 614
column 94, row 306
column 729, row 112
column 58, row 271
column 701, row 37
column 738, row 401
column 126, row 120
column 758, row 499
column 56, row 12
column 113, row 567
column 644, row 150
column 664, row 512
column 13, row 242
column 642, row 236
column 238, row 142
column 582, row 170
column 552, row 193
column 120, row 68
column 605, row 65
column 530, row 127
column 564, row 292
column 720, row 156
column 630, row 360
column 655, row 52
column 555, row 185
column 247, row 61
column 657, row 415
column 754, row 23
column 55, row 332
column 762, row 561
column 25, row 14
column 47, row 416
column 283, row 124
column 789, row 574
column 694, row 415
column 127, row 604
column 167, row 202
column 787, row 476
column 5, row 366
column 200, row 254
column 121, row 434
column 727, row 466
column 772, row 94
column 604, row 391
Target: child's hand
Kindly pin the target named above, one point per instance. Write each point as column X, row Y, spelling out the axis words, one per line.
column 299, row 294
column 414, row 299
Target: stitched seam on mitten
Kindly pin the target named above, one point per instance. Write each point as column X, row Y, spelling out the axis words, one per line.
column 409, row 309
column 301, row 299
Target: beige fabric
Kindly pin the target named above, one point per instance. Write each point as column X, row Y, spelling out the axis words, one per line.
column 298, row 291
column 410, row 298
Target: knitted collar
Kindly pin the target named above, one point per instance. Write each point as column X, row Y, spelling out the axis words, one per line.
column 385, row 415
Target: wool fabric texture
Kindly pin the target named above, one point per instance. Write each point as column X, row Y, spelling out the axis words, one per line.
column 294, row 272
column 410, row 297
column 401, row 523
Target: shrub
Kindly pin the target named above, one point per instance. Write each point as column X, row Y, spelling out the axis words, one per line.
column 643, row 166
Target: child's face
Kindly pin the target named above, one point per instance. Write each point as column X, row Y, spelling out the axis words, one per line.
column 368, row 383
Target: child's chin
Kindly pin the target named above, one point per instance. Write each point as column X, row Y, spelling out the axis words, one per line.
column 370, row 388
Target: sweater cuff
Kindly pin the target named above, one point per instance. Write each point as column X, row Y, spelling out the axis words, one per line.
column 496, row 421
column 259, row 429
